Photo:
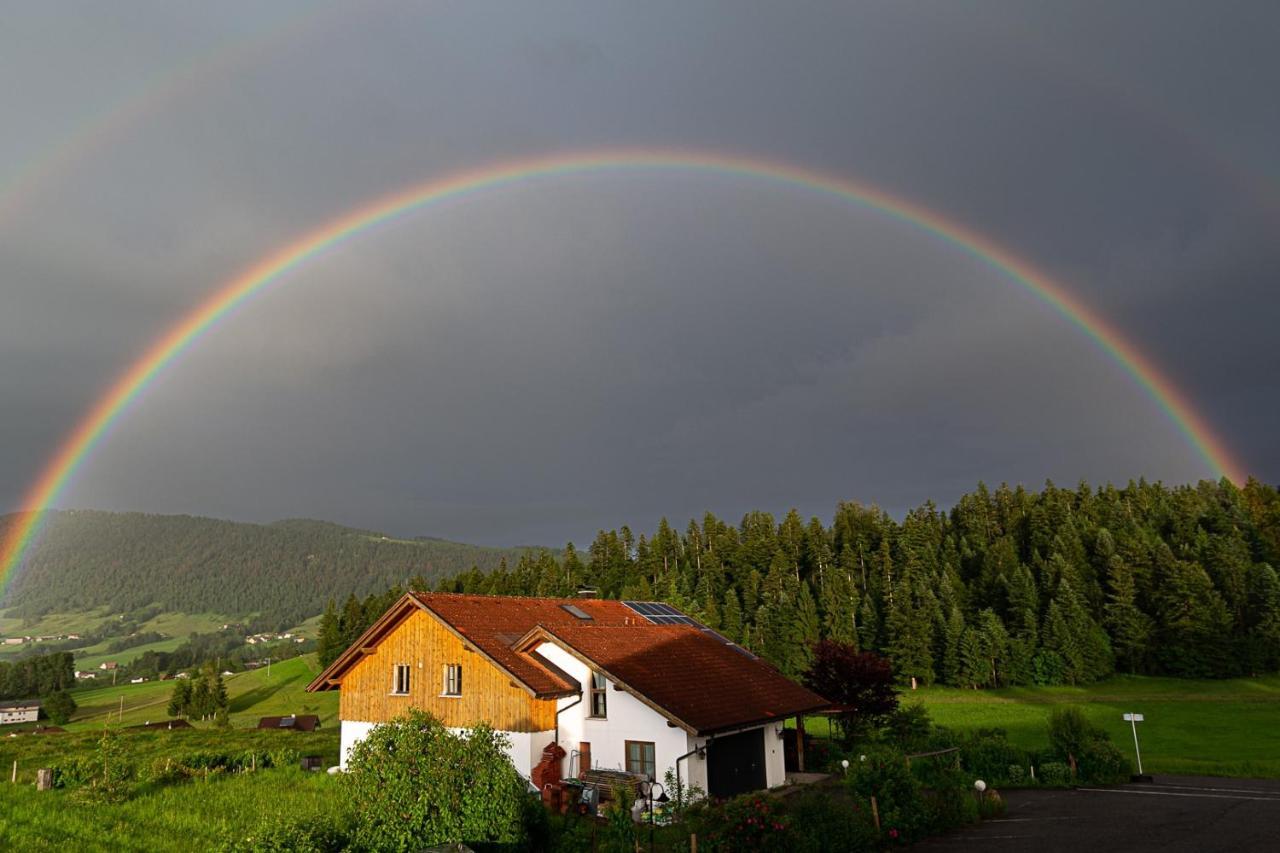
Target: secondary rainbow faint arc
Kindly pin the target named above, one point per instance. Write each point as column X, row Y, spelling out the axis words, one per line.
column 110, row 405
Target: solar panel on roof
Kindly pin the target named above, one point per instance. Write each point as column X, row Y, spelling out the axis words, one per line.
column 575, row 610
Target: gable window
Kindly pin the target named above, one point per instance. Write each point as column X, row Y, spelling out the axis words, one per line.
column 640, row 758
column 453, row 679
column 400, row 681
column 599, row 696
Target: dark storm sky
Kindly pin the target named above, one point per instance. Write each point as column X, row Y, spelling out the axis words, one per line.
column 528, row 365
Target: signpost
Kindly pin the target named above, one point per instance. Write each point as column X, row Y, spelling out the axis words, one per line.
column 1133, row 720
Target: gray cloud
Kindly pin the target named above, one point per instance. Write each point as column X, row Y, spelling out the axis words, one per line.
column 528, row 365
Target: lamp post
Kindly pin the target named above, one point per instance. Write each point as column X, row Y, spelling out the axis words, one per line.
column 647, row 789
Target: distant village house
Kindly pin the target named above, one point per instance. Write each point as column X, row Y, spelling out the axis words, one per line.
column 296, row 723
column 24, row 711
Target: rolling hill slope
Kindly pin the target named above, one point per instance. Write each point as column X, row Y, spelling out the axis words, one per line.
column 286, row 571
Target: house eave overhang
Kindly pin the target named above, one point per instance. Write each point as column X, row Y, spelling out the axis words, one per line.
column 713, row 731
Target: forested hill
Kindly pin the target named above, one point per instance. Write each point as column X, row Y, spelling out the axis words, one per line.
column 1009, row 586
column 285, row 571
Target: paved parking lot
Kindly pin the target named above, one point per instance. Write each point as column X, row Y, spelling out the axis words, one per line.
column 1173, row 815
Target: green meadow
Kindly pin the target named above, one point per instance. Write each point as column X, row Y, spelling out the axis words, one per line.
column 195, row 815
column 255, row 693
column 1212, row 728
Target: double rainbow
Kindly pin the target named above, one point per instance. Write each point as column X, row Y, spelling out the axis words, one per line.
column 109, row 407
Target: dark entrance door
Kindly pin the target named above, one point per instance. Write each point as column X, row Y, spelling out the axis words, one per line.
column 735, row 764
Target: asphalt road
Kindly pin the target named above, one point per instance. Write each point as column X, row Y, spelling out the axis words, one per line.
column 1176, row 814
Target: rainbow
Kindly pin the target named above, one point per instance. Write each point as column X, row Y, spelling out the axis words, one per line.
column 234, row 293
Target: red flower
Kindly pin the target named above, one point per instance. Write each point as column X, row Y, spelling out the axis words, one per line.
column 893, row 833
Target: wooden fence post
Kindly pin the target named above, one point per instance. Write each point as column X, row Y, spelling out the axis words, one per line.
column 14, row 778
column 44, row 779
column 875, row 813
column 693, row 842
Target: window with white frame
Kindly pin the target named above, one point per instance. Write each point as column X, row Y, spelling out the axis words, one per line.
column 599, row 696
column 453, row 679
column 400, row 680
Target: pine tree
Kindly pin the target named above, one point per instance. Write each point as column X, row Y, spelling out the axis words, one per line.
column 329, row 642
column 180, row 700
column 994, row 647
column 952, row 637
column 972, row 661
column 1193, row 622
column 351, row 625
column 1130, row 628
column 731, row 617
column 838, row 600
column 806, row 632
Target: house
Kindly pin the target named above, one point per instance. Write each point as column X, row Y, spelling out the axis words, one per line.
column 84, row 673
column 23, row 711
column 137, row 680
column 107, row 665
column 14, row 641
column 636, row 687
column 296, row 722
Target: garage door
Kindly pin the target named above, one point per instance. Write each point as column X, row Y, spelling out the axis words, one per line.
column 735, row 764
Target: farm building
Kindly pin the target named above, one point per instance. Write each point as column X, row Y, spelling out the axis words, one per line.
column 23, row 711
column 636, row 687
column 84, row 674
column 297, row 723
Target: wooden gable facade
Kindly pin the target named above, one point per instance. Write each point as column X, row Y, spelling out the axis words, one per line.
column 417, row 639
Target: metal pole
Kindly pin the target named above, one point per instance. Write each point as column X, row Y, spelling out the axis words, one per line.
column 1136, row 750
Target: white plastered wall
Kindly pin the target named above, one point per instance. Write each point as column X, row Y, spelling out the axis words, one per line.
column 353, row 731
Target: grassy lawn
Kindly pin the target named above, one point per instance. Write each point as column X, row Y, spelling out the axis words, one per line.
column 89, row 658
column 1213, row 728
column 253, row 694
column 191, row 816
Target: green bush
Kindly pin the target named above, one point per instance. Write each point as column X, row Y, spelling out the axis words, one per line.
column 988, row 755
column 1016, row 775
column 413, row 784
column 1055, row 774
column 822, row 820
column 108, row 774
column 1102, row 763
column 910, row 729
column 884, row 775
column 949, row 801
column 1085, row 747
column 1070, row 732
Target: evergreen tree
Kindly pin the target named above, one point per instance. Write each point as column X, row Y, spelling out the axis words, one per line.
column 1193, row 622
column 329, row 642
column 731, row 617
column 180, row 699
column 1130, row 628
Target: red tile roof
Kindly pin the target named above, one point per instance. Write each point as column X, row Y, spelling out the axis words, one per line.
column 690, row 675
column 495, row 623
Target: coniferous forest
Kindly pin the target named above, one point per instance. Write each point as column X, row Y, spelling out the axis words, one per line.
column 1008, row 586
column 1060, row 586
